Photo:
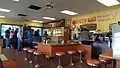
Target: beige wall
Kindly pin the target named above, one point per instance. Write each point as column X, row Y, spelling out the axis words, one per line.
column 102, row 25
column 20, row 22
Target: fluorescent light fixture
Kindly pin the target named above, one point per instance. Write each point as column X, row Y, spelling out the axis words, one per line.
column 4, row 10
column 37, row 21
column 109, row 2
column 49, row 18
column 16, row 0
column 2, row 16
column 68, row 12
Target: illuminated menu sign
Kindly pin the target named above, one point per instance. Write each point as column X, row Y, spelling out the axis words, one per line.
column 58, row 23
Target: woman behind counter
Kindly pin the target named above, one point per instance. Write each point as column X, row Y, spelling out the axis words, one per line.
column 84, row 37
column 46, row 37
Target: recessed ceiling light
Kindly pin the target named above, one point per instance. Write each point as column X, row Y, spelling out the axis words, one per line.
column 37, row 21
column 16, row 0
column 4, row 10
column 49, row 18
column 69, row 12
column 109, row 2
column 2, row 16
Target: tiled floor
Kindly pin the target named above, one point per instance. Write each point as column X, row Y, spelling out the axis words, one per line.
column 19, row 57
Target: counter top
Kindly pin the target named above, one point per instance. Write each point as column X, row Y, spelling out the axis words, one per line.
column 52, row 48
column 55, row 44
column 117, row 57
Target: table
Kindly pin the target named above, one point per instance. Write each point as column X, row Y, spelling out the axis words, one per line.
column 52, row 48
column 113, row 58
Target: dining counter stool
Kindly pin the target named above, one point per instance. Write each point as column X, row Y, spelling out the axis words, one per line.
column 30, row 51
column 93, row 63
column 36, row 47
column 26, row 52
column 80, row 53
column 71, row 52
column 105, row 61
column 36, row 54
column 59, row 54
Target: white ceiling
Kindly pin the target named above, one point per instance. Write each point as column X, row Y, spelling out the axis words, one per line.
column 79, row 6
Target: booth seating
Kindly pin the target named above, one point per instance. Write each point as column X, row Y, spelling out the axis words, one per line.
column 59, row 54
column 71, row 57
column 93, row 63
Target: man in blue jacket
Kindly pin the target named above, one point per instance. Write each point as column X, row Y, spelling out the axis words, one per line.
column 30, row 38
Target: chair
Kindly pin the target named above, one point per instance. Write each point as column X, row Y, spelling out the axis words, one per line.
column 59, row 54
column 30, row 51
column 35, row 47
column 80, row 53
column 36, row 53
column 104, row 61
column 93, row 63
column 26, row 52
column 71, row 52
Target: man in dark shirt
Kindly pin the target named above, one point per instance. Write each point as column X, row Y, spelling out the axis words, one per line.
column 15, row 42
column 7, row 35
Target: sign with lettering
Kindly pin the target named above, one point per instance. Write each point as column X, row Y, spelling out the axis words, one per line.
column 99, row 18
column 106, row 17
column 58, row 23
column 92, row 19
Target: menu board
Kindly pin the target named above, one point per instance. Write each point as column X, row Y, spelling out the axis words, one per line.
column 58, row 23
column 59, row 31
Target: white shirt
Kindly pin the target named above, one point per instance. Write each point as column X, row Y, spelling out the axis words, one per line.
column 19, row 35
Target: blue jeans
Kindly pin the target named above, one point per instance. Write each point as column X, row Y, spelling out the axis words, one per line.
column 19, row 47
column 30, row 43
column 7, row 42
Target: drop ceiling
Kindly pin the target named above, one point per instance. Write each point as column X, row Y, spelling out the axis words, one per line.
column 21, row 7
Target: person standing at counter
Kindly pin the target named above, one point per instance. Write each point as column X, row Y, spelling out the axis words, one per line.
column 15, row 40
column 37, row 35
column 46, row 35
column 11, row 37
column 84, row 37
column 30, row 38
column 19, row 36
column 7, row 35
